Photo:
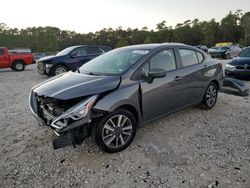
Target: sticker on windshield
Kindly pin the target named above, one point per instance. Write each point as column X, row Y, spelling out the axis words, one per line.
column 140, row 52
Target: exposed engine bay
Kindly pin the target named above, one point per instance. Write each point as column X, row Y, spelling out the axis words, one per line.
column 70, row 119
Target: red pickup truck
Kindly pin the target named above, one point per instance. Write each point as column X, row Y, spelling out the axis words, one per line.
column 15, row 61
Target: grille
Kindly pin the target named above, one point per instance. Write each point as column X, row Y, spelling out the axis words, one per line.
column 242, row 67
column 40, row 68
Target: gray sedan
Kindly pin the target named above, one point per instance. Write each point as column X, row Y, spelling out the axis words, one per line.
column 112, row 95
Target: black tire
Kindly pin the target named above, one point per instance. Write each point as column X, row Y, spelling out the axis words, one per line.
column 59, row 69
column 210, row 96
column 127, row 130
column 18, row 65
column 228, row 56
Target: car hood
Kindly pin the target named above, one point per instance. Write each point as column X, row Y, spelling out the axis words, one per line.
column 47, row 58
column 240, row 61
column 73, row 85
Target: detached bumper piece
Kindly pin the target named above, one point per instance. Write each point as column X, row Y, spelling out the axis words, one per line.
column 72, row 138
column 236, row 84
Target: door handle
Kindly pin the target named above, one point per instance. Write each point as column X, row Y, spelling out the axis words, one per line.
column 177, row 78
column 205, row 66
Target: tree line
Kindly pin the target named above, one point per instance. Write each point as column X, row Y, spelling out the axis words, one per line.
column 234, row 27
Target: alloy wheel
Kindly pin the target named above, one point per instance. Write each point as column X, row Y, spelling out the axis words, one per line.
column 211, row 95
column 117, row 131
column 19, row 66
column 60, row 70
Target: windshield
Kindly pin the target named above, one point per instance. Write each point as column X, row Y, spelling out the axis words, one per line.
column 114, row 62
column 245, row 53
column 66, row 51
column 224, row 48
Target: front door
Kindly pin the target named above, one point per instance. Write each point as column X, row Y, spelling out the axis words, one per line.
column 164, row 94
column 4, row 59
column 78, row 58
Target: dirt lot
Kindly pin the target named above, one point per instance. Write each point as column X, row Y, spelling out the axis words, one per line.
column 191, row 148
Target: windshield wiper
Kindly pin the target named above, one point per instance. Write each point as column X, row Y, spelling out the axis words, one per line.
column 92, row 73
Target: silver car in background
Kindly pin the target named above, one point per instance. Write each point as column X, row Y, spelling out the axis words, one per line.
column 225, row 52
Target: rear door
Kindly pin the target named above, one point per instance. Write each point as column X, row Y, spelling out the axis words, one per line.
column 164, row 94
column 194, row 73
column 4, row 59
column 93, row 51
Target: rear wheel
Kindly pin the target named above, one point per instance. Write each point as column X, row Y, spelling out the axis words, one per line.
column 59, row 69
column 18, row 66
column 115, row 131
column 210, row 97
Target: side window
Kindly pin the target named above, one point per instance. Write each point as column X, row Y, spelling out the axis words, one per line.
column 79, row 51
column 92, row 50
column 200, row 57
column 188, row 57
column 164, row 60
column 1, row 52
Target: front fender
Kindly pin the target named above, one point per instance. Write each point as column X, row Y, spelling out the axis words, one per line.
column 124, row 95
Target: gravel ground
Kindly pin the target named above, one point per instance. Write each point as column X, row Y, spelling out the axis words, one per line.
column 191, row 148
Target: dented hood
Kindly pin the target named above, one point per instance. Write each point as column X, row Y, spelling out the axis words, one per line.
column 72, row 85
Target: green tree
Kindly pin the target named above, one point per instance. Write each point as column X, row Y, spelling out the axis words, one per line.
column 122, row 43
column 148, row 40
column 245, row 23
column 230, row 27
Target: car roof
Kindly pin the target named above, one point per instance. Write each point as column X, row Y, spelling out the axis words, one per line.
column 89, row 45
column 155, row 46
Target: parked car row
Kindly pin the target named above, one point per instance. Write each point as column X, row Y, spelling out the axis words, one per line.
column 221, row 52
column 224, row 52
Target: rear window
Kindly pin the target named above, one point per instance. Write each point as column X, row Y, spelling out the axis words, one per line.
column 93, row 50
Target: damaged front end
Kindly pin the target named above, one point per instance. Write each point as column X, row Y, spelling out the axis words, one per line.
column 69, row 119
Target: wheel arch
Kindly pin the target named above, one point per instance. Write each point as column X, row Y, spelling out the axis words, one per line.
column 131, row 109
column 18, row 60
column 60, row 64
column 216, row 82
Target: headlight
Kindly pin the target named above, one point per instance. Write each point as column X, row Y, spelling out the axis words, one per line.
column 230, row 67
column 48, row 65
column 76, row 112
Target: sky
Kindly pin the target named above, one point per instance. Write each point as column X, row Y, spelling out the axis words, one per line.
column 85, row 16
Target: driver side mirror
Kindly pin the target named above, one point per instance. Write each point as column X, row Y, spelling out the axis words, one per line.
column 155, row 74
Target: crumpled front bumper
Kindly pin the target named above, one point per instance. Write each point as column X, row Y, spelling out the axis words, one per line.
column 34, row 108
column 71, row 135
column 33, row 105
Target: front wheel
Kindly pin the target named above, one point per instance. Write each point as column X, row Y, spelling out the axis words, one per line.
column 115, row 131
column 59, row 69
column 210, row 97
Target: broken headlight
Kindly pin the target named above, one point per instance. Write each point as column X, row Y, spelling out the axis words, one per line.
column 75, row 113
